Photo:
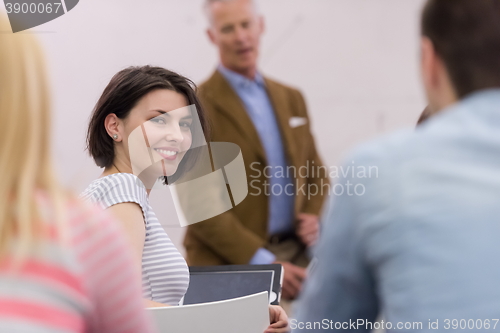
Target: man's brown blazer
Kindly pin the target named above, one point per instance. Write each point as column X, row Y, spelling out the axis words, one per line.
column 234, row 236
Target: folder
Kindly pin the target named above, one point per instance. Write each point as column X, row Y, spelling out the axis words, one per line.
column 249, row 314
column 217, row 283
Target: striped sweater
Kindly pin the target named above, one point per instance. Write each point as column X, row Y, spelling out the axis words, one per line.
column 88, row 284
column 165, row 274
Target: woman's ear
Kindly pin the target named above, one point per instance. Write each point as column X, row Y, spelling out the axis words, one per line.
column 112, row 126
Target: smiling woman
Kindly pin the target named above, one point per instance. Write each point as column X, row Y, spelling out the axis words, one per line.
column 145, row 126
column 169, row 134
column 158, row 135
column 142, row 128
column 134, row 100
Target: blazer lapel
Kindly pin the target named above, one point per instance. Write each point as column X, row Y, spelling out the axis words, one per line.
column 281, row 109
column 231, row 105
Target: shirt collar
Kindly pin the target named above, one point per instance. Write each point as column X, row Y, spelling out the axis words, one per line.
column 238, row 80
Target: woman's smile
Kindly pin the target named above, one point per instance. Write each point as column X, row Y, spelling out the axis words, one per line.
column 168, row 153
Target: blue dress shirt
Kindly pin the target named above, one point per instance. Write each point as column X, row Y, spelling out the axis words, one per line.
column 254, row 96
column 422, row 243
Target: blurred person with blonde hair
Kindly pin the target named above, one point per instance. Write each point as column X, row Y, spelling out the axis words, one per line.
column 63, row 267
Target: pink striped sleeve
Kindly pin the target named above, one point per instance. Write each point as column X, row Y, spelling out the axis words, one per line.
column 110, row 275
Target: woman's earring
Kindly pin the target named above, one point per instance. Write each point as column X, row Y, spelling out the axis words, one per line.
column 115, row 136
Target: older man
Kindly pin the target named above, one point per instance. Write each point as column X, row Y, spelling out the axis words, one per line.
column 278, row 220
column 421, row 245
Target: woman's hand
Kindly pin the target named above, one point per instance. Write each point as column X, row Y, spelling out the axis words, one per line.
column 279, row 320
column 152, row 304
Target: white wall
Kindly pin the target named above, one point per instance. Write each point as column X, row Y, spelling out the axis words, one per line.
column 355, row 60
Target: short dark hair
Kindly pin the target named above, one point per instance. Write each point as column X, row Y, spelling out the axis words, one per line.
column 120, row 96
column 466, row 35
column 426, row 114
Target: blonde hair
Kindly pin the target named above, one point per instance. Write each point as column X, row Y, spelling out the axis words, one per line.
column 25, row 166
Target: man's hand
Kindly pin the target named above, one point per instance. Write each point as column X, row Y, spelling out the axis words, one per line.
column 292, row 281
column 278, row 319
column 308, row 228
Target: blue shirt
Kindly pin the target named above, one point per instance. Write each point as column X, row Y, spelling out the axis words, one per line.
column 254, row 96
column 422, row 243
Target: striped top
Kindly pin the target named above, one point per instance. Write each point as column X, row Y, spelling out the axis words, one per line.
column 165, row 274
column 86, row 284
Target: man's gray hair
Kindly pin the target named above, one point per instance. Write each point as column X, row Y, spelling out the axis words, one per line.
column 208, row 3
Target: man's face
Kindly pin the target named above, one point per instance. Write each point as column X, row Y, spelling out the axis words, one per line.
column 235, row 30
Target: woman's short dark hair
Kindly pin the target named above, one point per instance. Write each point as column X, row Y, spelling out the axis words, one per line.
column 466, row 35
column 120, row 96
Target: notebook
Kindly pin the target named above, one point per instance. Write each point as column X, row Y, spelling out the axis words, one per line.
column 248, row 314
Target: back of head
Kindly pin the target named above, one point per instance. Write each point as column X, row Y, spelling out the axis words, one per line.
column 466, row 35
column 24, row 136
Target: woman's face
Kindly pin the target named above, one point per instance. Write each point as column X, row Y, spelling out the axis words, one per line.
column 157, row 133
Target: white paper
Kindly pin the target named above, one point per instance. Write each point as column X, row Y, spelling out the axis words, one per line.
column 249, row 314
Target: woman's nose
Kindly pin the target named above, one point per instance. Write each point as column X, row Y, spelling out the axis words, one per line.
column 174, row 133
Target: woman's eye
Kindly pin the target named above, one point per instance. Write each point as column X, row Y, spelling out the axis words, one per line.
column 185, row 124
column 160, row 121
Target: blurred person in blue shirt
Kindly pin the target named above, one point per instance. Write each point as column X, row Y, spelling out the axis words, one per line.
column 419, row 241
